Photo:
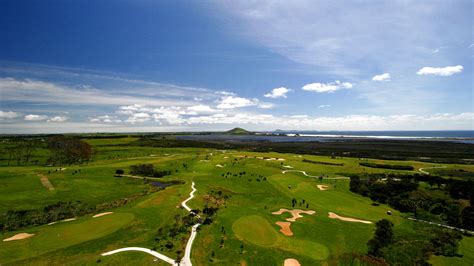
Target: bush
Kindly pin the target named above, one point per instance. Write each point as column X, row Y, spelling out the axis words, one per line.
column 388, row 166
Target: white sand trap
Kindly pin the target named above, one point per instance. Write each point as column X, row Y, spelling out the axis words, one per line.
column 219, row 165
column 45, row 182
column 101, row 214
column 281, row 159
column 226, row 157
column 287, row 166
column 70, row 219
column 296, row 213
column 323, row 187
column 347, row 219
column 291, row 262
column 19, row 236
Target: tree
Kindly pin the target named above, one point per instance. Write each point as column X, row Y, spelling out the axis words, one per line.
column 66, row 150
column 467, row 217
column 382, row 238
column 446, row 243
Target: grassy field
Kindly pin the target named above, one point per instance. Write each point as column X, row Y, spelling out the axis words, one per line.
column 244, row 230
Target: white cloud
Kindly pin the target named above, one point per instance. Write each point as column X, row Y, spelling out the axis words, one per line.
column 265, row 105
column 33, row 117
column 104, row 119
column 138, row 118
column 231, row 102
column 327, row 87
column 201, row 108
column 5, row 115
column 38, row 91
column 58, row 119
column 299, row 116
column 440, row 71
column 382, row 77
column 277, row 93
column 324, row 106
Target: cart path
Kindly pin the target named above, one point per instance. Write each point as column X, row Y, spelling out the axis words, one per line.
column 427, row 173
column 186, row 260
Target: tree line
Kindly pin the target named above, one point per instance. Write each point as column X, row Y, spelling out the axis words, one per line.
column 403, row 193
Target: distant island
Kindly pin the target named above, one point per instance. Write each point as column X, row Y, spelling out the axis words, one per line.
column 238, row 131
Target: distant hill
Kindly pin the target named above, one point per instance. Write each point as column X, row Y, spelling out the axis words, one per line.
column 238, row 131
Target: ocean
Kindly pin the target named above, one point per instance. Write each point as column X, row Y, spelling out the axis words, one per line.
column 463, row 136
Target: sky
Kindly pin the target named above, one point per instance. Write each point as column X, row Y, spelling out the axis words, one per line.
column 144, row 65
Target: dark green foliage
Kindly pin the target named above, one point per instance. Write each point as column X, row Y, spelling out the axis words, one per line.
column 467, row 217
column 119, row 172
column 13, row 220
column 147, row 170
column 387, row 166
column 382, row 238
column 325, row 163
column 446, row 243
column 68, row 151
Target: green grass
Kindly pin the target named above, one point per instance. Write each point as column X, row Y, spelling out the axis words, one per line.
column 256, row 230
column 246, row 217
column 56, row 236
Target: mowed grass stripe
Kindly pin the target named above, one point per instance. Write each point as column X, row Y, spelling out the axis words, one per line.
column 49, row 238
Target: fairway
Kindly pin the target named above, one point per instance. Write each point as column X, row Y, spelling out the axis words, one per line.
column 50, row 238
column 250, row 209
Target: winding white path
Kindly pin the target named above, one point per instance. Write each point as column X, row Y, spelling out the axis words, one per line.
column 146, row 250
column 186, row 260
column 427, row 173
column 304, row 173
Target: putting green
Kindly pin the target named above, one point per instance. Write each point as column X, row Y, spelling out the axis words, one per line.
column 61, row 235
column 256, row 230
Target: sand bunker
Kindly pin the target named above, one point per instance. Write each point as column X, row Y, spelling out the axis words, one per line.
column 219, row 165
column 68, row 220
column 19, row 236
column 285, row 228
column 291, row 262
column 347, row 219
column 296, row 213
column 101, row 214
column 287, row 166
column 274, row 159
column 323, row 187
column 45, row 182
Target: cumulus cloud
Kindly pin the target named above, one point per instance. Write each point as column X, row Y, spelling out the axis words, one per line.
column 33, row 117
column 382, row 77
column 327, row 87
column 138, row 118
column 201, row 108
column 231, row 102
column 5, row 115
column 104, row 119
column 440, row 71
column 277, row 93
column 58, row 119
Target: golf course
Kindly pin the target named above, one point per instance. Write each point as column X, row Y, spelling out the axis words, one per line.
column 239, row 207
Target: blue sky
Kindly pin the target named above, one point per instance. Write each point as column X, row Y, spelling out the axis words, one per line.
column 102, row 66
